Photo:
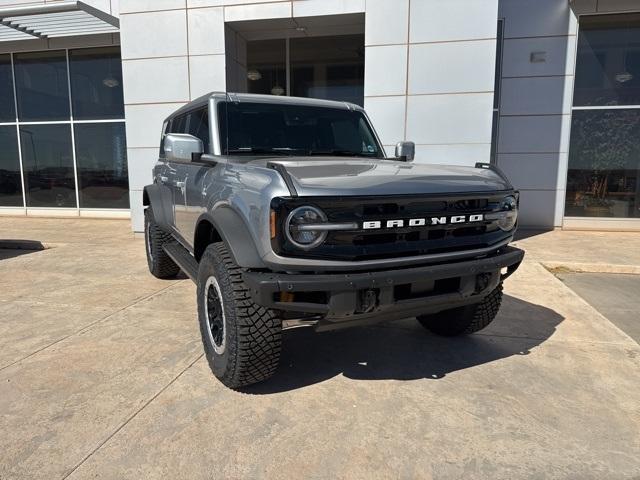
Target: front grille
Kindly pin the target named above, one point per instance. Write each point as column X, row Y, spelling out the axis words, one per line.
column 360, row 244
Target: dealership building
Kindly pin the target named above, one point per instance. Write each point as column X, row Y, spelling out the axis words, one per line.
column 548, row 90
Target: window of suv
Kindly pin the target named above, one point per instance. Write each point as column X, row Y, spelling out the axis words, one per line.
column 195, row 122
column 281, row 129
column 178, row 124
column 198, row 126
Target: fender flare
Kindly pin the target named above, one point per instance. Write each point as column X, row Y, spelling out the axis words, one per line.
column 159, row 198
column 234, row 232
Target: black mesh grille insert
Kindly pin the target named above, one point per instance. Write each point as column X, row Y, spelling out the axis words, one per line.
column 369, row 244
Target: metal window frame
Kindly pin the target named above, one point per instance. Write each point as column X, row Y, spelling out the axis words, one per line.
column 496, row 109
column 71, row 122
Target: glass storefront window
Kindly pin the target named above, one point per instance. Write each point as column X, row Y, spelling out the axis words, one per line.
column 101, row 156
column 42, row 86
column 42, row 131
column 604, row 164
column 10, row 182
column 608, row 61
column 7, row 109
column 266, row 67
column 603, row 178
column 331, row 68
column 48, row 165
column 96, row 83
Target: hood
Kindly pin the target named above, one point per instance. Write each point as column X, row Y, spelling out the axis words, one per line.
column 348, row 176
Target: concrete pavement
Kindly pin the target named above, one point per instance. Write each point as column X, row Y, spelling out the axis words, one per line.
column 102, row 376
column 578, row 251
column 616, row 296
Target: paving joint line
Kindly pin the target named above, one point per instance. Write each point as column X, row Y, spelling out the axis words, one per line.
column 90, row 325
column 566, row 341
column 131, row 417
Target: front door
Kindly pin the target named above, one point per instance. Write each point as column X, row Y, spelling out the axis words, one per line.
column 190, row 177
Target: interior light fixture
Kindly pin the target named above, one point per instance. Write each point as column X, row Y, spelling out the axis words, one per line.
column 110, row 82
column 277, row 90
column 623, row 77
column 254, row 75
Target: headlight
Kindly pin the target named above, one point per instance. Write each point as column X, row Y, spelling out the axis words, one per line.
column 299, row 227
column 508, row 216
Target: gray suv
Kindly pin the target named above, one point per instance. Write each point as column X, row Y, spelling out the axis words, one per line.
column 287, row 213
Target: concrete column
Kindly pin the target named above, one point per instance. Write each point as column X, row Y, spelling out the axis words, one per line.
column 535, row 104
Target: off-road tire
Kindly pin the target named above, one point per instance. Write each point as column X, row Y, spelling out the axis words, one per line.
column 252, row 334
column 160, row 264
column 464, row 320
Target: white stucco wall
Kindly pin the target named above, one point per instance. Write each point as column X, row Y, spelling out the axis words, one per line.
column 429, row 76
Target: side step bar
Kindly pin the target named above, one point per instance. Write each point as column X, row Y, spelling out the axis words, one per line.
column 183, row 258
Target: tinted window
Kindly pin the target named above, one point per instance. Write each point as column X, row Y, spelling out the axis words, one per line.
column 330, row 67
column 178, row 125
column 42, row 87
column 604, row 164
column 101, row 157
column 96, row 83
column 48, row 165
column 266, row 67
column 198, row 126
column 255, row 128
column 10, row 182
column 608, row 61
column 165, row 130
column 7, row 102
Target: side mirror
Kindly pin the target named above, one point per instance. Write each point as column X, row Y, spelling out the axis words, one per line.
column 180, row 147
column 406, row 151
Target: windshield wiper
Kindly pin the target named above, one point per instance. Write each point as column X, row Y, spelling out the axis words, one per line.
column 338, row 153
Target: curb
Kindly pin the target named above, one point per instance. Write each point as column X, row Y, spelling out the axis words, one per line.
column 569, row 267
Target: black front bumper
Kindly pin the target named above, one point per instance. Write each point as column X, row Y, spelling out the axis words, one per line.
column 387, row 294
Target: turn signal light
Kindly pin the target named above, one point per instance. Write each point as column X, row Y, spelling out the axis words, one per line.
column 272, row 224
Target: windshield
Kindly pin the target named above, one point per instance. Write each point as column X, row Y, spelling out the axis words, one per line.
column 273, row 129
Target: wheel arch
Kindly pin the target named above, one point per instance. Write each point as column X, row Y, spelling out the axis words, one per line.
column 224, row 224
column 158, row 197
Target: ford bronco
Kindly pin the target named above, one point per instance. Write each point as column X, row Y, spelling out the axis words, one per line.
column 286, row 212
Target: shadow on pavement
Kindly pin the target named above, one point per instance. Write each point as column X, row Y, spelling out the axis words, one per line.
column 15, row 248
column 521, row 233
column 403, row 350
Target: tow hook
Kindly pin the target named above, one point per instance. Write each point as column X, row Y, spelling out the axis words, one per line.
column 368, row 300
column 482, row 281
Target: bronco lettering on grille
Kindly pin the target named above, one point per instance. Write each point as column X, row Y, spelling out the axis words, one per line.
column 421, row 222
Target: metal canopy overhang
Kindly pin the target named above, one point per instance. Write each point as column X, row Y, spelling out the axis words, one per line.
column 52, row 20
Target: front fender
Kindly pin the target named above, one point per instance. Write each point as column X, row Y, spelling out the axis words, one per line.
column 234, row 232
column 159, row 198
